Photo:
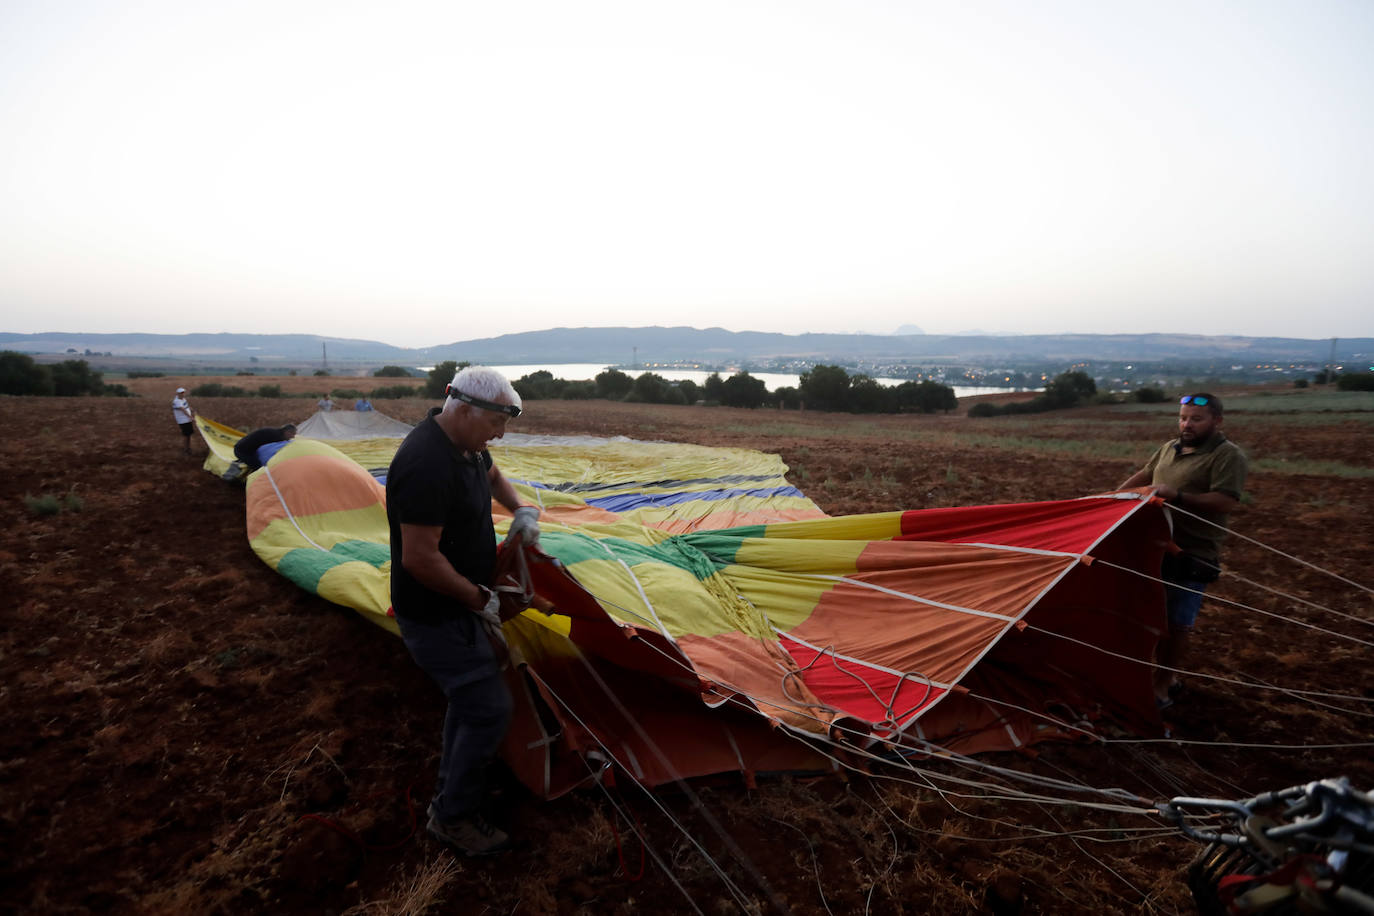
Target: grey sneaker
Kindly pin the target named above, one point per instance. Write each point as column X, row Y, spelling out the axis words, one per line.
column 472, row 836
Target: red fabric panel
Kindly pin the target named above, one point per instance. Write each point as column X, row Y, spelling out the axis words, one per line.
column 1067, row 525
column 861, row 690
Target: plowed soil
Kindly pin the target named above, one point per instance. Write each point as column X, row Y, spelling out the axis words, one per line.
column 184, row 731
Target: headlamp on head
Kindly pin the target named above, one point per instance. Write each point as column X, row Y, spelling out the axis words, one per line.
column 509, row 409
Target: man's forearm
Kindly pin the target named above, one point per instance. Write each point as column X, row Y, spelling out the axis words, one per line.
column 1138, row 479
column 438, row 575
column 504, row 491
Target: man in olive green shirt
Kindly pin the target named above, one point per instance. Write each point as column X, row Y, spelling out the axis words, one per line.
column 1203, row 473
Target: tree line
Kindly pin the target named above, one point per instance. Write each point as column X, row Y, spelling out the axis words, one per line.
column 20, row 374
column 821, row 388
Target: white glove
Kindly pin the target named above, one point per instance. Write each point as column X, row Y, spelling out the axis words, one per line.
column 526, row 525
column 491, row 611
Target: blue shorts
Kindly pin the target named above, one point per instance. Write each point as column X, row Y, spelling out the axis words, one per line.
column 1183, row 600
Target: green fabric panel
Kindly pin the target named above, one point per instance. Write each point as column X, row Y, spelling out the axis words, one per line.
column 366, row 551
column 577, row 548
column 305, row 565
column 721, row 546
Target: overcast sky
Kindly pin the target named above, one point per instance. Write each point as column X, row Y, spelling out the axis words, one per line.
column 419, row 173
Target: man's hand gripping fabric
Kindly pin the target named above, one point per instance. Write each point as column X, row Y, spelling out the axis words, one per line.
column 525, row 525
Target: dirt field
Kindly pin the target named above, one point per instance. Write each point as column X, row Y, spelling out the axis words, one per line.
column 184, row 730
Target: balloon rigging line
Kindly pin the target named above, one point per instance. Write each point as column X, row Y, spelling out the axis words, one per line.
column 1175, row 508
column 681, row 781
column 730, row 885
column 1239, row 604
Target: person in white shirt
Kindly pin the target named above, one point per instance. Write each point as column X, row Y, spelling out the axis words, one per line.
column 325, row 403
column 184, row 416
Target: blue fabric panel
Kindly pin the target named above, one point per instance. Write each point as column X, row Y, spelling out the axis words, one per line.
column 265, row 452
column 624, row 502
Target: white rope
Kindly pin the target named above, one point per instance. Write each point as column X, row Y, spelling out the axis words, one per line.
column 1238, row 604
column 1291, row 691
column 681, row 781
column 1241, row 744
column 1122, row 835
column 1175, row 508
column 734, row 889
column 634, row 828
column 1274, row 591
column 936, row 750
column 287, row 509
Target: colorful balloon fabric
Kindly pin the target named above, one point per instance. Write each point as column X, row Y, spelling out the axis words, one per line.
column 708, row 617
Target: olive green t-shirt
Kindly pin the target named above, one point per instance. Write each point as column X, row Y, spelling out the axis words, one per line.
column 1218, row 465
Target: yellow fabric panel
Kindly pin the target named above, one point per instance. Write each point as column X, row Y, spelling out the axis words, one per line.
column 643, row 462
column 325, row 529
column 784, row 600
column 363, row 587
column 370, row 453
column 219, row 439
column 800, row 555
column 873, row 527
column 686, row 516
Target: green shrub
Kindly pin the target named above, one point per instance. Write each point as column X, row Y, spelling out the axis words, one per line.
column 440, row 376
column 72, row 502
column 19, row 374
column 144, row 373
column 613, row 384
column 392, row 372
column 244, row 372
column 1148, row 395
column 1355, row 381
column 984, row 409
column 743, row 390
column 393, row 392
column 269, row 391
column 345, row 394
column 321, row 372
column 74, row 377
column 1299, row 383
column 44, row 505
column 926, row 396
column 537, row 385
column 580, row 390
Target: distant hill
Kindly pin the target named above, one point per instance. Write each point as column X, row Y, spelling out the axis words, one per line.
column 233, row 348
column 708, row 345
column 657, row 344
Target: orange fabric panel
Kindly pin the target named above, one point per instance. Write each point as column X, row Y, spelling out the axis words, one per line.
column 898, row 634
column 716, row 520
column 299, row 479
column 736, row 662
column 980, row 578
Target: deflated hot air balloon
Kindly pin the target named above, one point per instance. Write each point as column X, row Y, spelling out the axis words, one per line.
column 700, row 615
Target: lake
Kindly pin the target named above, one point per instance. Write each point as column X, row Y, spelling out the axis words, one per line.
column 773, row 380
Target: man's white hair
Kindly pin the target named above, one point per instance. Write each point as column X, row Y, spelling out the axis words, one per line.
column 485, row 383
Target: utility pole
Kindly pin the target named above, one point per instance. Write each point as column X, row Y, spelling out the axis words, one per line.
column 324, row 355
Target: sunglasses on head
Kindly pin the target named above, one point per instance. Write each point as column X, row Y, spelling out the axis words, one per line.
column 509, row 409
column 1197, row 399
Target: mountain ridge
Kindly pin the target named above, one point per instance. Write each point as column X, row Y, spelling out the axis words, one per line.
column 629, row 345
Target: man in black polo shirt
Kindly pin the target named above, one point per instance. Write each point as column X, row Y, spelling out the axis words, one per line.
column 1203, row 473
column 246, row 450
column 439, row 490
